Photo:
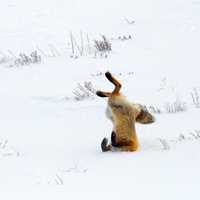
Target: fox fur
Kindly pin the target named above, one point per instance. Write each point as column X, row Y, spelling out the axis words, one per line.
column 123, row 115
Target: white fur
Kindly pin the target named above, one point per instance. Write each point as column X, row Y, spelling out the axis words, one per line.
column 109, row 113
column 121, row 100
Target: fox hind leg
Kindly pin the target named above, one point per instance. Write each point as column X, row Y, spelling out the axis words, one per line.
column 103, row 94
column 114, row 81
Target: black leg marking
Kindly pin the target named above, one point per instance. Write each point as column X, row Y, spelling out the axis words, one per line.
column 108, row 76
column 104, row 145
column 113, row 139
column 114, row 81
column 100, row 94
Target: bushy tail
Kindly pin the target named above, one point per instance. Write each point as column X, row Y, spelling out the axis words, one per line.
column 145, row 117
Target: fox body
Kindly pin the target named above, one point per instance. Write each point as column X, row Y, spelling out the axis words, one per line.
column 123, row 114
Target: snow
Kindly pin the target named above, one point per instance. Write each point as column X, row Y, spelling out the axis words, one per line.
column 50, row 142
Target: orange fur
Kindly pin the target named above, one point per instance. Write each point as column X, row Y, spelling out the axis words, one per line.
column 123, row 114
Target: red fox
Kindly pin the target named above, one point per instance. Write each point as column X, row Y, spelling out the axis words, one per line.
column 123, row 114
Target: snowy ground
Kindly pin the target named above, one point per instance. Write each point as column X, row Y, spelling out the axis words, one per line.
column 50, row 143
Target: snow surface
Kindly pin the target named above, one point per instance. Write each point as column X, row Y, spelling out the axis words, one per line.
column 50, row 143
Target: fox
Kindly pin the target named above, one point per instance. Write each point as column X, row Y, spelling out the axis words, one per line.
column 123, row 114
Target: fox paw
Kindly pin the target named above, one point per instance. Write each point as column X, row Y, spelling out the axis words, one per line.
column 108, row 75
column 104, row 145
column 100, row 94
